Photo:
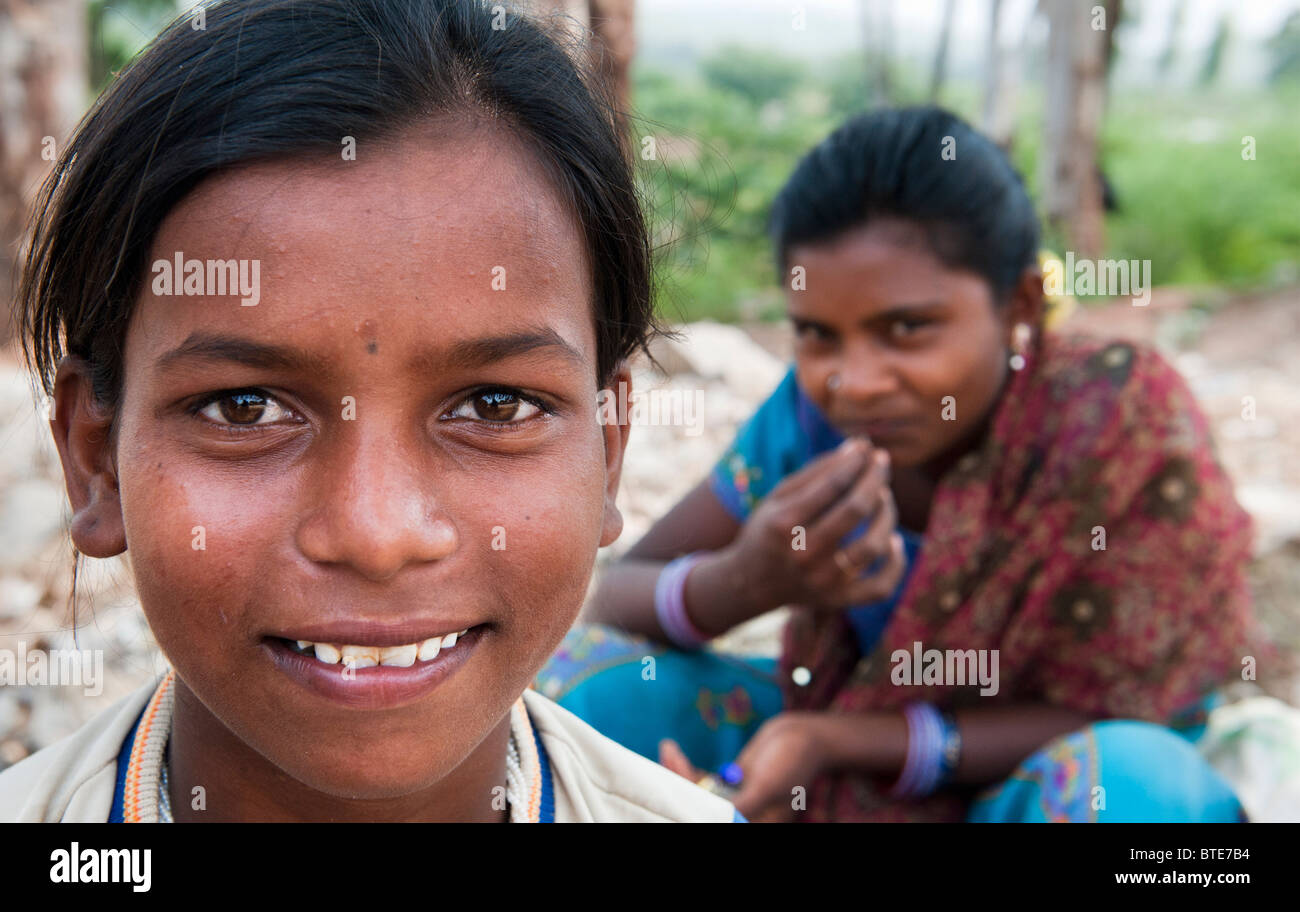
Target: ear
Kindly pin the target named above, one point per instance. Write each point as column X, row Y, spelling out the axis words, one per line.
column 1026, row 304
column 615, row 433
column 83, row 433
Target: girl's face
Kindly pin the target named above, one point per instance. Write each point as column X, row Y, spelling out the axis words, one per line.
column 885, row 331
column 396, row 442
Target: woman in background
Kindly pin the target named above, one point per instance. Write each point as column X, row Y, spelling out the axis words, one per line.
column 937, row 471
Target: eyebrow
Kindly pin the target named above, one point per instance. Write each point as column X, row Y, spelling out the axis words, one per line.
column 893, row 313
column 466, row 354
column 478, row 352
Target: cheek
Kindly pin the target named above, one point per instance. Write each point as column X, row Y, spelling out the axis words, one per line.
column 969, row 368
column 543, row 521
column 973, row 370
column 812, row 373
column 193, row 540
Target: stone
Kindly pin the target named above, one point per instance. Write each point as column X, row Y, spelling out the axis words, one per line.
column 1276, row 511
column 714, row 351
column 31, row 512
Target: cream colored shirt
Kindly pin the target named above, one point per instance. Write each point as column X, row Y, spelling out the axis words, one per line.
column 594, row 779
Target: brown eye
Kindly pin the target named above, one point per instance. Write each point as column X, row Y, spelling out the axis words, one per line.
column 901, row 329
column 244, row 408
column 497, row 406
column 811, row 332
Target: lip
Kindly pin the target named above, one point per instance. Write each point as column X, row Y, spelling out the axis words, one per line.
column 880, row 428
column 369, row 633
column 377, row 687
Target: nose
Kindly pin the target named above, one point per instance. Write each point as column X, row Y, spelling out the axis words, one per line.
column 376, row 510
column 864, row 374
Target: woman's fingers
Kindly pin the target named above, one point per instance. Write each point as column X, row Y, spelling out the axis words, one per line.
column 873, row 544
column 749, row 803
column 808, row 504
column 855, row 449
column 880, row 585
column 762, row 799
column 862, row 501
column 673, row 758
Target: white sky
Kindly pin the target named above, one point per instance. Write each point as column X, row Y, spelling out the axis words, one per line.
column 676, row 28
column 837, row 25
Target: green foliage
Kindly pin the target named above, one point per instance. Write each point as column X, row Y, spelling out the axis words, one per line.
column 759, row 76
column 1285, row 48
column 1214, row 56
column 728, row 142
column 722, row 151
column 1189, row 202
column 117, row 29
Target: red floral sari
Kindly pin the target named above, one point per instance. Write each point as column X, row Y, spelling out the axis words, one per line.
column 1091, row 439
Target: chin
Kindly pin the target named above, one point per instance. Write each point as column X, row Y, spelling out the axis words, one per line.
column 392, row 774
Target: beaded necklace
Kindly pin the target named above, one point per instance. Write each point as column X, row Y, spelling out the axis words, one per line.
column 147, row 777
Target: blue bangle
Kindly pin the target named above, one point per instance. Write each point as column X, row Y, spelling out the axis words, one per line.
column 950, row 748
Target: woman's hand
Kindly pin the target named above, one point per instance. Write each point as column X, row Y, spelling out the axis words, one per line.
column 783, row 756
column 789, row 551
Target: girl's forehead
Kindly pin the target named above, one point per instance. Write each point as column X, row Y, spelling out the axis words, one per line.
column 418, row 239
column 474, row 197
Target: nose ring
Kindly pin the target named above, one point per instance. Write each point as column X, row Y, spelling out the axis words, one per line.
column 833, row 382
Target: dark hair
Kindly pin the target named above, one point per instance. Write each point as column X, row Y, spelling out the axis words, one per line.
column 891, row 163
column 273, row 78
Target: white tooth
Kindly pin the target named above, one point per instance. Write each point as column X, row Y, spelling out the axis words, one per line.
column 362, row 652
column 359, row 661
column 429, row 648
column 449, row 640
column 305, row 644
column 327, row 654
column 401, row 656
column 463, row 632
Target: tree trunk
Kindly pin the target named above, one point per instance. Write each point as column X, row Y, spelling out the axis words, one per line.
column 610, row 26
column 613, row 22
column 1075, row 96
column 877, row 31
column 1173, row 38
column 993, row 71
column 42, row 95
column 1003, row 76
column 940, row 68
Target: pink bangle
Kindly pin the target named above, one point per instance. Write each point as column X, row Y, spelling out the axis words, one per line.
column 670, row 602
column 920, row 774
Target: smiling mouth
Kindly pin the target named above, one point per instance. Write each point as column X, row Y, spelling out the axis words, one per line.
column 371, row 656
column 368, row 676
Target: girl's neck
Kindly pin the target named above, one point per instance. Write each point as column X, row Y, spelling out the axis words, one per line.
column 239, row 784
column 913, row 487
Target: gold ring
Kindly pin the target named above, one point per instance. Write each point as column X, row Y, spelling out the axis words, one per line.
column 843, row 562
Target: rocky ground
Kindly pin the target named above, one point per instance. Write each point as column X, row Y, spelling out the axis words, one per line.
column 1248, row 347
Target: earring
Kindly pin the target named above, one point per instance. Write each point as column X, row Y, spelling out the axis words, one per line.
column 833, row 382
column 1022, row 334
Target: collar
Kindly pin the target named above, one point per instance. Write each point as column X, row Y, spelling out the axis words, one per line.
column 139, row 762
